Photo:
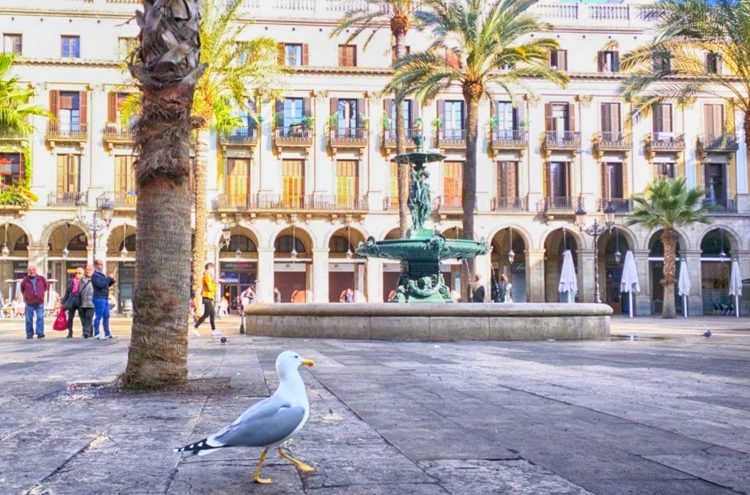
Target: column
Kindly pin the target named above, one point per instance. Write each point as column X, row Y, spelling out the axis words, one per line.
column 642, row 299
column 320, row 275
column 585, row 275
column 101, row 168
column 695, row 299
column 267, row 162
column 264, row 285
column 484, row 170
column 535, row 162
column 324, row 167
column 483, row 264
column 588, row 125
column 535, row 275
column 374, row 280
column 378, row 169
column 693, row 166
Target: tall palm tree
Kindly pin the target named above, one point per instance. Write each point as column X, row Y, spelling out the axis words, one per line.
column 235, row 69
column 490, row 41
column 399, row 16
column 668, row 205
column 702, row 47
column 15, row 106
column 167, row 67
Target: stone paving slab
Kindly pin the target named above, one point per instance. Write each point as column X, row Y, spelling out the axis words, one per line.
column 647, row 416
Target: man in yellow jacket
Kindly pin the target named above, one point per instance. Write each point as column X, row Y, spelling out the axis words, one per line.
column 208, row 292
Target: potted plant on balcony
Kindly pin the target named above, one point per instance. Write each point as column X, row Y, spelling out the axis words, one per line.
column 308, row 122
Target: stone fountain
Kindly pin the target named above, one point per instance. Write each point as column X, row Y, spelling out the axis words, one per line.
column 421, row 281
column 421, row 252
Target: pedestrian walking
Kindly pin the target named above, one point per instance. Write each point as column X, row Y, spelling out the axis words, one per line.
column 208, row 293
column 101, row 282
column 33, row 288
column 247, row 297
column 86, row 308
column 507, row 289
column 71, row 300
column 498, row 291
column 477, row 289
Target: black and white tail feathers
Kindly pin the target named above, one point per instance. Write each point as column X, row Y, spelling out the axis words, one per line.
column 200, row 448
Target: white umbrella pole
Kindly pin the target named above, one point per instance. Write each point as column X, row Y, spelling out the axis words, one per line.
column 736, row 306
column 684, row 306
column 630, row 303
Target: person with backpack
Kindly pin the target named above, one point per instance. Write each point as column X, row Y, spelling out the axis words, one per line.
column 33, row 288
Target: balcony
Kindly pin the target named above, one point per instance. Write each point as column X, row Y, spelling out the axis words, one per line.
column 508, row 203
column 235, row 202
column 293, row 137
column 347, row 137
column 247, row 137
column 389, row 139
column 451, row 138
column 665, row 142
column 115, row 136
column 390, row 203
column 442, row 204
column 557, row 204
column 562, row 141
column 120, row 200
column 63, row 199
column 502, row 139
column 272, row 202
column 718, row 143
column 612, row 142
column 66, row 134
column 720, row 205
column 12, row 138
column 621, row 205
column 332, row 202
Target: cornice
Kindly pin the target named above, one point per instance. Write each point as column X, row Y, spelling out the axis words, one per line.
column 59, row 62
column 94, row 14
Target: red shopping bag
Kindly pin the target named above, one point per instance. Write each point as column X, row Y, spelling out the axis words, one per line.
column 61, row 322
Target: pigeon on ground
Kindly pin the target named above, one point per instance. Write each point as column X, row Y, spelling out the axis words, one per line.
column 268, row 423
column 707, row 333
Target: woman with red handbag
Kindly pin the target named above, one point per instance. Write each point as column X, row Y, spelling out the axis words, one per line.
column 71, row 301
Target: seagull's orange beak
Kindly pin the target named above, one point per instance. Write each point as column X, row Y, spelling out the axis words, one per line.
column 307, row 362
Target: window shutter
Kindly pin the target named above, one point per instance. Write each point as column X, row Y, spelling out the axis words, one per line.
column 54, row 102
column 600, row 61
column 550, row 54
column 571, row 117
column 549, row 123
column 334, row 102
column 83, row 106
column 306, row 107
column 112, row 108
column 280, row 54
column 414, row 112
column 657, row 120
column 388, row 107
column 360, row 111
column 605, row 179
column 667, row 118
column 547, row 190
column 441, row 110
column 615, row 116
column 278, row 117
column 562, row 60
column 616, row 61
column 305, row 54
column 605, row 117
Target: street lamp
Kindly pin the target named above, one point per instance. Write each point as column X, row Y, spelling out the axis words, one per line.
column 511, row 254
column 595, row 231
column 101, row 218
column 5, row 252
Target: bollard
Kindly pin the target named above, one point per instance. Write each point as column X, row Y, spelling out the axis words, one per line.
column 242, row 321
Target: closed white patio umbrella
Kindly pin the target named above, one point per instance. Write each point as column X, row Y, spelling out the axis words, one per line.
column 568, row 279
column 683, row 286
column 629, row 281
column 735, row 286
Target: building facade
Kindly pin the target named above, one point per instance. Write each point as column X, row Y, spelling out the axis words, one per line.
column 292, row 194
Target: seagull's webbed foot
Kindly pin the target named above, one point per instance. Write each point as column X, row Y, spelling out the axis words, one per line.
column 256, row 475
column 299, row 464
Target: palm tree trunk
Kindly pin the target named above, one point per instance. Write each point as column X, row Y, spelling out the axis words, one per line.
column 157, row 357
column 403, row 170
column 469, row 186
column 199, row 247
column 669, row 239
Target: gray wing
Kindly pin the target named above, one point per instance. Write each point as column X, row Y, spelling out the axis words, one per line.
column 265, row 423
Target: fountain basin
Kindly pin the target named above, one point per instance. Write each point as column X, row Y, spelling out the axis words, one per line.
column 430, row 321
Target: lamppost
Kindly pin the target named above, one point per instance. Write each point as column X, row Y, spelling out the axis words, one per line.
column 5, row 252
column 596, row 230
column 101, row 218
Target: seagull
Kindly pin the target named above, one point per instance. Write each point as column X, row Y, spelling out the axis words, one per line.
column 268, row 423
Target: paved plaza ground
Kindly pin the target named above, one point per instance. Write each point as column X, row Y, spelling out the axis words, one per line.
column 665, row 412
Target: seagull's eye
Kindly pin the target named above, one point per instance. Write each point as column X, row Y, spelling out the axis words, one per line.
column 296, row 357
